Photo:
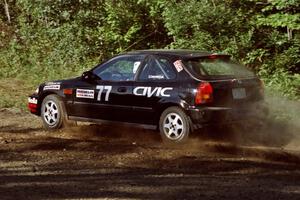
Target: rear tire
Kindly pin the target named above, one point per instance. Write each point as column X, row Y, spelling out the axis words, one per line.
column 53, row 112
column 174, row 126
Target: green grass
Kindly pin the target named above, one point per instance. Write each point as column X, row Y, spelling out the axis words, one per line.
column 14, row 93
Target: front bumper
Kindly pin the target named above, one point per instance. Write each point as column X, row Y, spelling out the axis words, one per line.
column 33, row 104
column 226, row 115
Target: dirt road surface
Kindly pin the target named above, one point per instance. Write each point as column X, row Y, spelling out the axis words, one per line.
column 115, row 162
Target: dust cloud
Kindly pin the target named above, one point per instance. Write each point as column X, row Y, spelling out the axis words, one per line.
column 277, row 137
column 278, row 126
column 272, row 137
column 285, row 120
column 110, row 131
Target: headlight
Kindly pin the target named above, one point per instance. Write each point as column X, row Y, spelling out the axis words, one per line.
column 37, row 90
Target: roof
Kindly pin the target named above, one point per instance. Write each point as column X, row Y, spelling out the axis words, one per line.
column 185, row 53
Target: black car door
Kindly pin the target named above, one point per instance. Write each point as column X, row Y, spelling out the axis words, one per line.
column 110, row 97
column 155, row 85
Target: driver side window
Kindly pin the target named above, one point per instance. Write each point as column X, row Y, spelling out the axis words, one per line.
column 122, row 68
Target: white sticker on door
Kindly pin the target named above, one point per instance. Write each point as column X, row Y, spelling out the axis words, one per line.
column 87, row 94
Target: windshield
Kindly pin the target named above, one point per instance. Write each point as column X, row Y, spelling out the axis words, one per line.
column 217, row 67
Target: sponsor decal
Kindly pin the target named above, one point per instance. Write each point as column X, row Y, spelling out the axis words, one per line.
column 178, row 65
column 149, row 91
column 51, row 87
column 87, row 94
column 156, row 77
column 32, row 100
column 53, row 83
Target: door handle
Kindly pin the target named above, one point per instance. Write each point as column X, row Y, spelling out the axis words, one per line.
column 122, row 89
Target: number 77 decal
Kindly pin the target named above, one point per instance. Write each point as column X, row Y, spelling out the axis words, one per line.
column 101, row 88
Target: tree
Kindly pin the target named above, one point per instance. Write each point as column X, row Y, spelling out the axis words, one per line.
column 7, row 11
column 282, row 13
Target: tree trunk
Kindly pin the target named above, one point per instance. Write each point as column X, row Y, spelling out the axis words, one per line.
column 290, row 33
column 7, row 11
column 214, row 4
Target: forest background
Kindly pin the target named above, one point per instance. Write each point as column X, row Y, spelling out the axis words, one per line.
column 42, row 40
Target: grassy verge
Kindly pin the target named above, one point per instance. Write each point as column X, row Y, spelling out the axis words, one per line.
column 14, row 92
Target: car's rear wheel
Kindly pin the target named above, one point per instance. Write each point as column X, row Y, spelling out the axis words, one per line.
column 174, row 125
column 53, row 112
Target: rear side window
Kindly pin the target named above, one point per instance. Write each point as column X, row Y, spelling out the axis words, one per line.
column 158, row 69
column 122, row 68
column 217, row 67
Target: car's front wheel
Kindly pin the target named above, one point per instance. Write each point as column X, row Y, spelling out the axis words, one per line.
column 52, row 112
column 174, row 125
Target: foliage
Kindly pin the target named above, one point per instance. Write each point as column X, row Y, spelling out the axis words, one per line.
column 56, row 39
column 281, row 80
column 282, row 13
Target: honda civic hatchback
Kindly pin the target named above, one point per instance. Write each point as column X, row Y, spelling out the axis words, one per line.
column 176, row 91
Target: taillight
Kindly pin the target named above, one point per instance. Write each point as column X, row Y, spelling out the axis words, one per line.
column 204, row 93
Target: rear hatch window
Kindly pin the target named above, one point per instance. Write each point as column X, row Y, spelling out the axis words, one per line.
column 216, row 67
column 235, row 84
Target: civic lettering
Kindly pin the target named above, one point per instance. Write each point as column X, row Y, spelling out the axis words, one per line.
column 152, row 92
column 164, row 90
column 140, row 91
column 149, row 91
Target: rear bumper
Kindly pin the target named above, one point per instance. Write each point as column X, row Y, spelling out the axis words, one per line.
column 226, row 115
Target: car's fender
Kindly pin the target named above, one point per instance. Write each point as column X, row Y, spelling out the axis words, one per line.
column 165, row 103
column 45, row 90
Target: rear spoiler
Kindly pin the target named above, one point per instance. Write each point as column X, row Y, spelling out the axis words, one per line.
column 215, row 56
column 209, row 56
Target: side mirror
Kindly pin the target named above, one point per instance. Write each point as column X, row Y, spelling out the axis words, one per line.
column 89, row 76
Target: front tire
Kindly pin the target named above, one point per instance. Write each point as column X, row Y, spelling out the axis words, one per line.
column 52, row 112
column 174, row 126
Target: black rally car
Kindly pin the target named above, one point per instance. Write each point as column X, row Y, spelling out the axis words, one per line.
column 177, row 91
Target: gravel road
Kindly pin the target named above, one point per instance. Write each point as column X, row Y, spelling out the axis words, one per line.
column 116, row 162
